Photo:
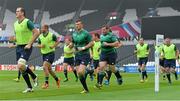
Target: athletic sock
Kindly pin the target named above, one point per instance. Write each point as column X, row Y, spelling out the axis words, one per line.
column 109, row 73
column 168, row 77
column 91, row 73
column 117, row 74
column 19, row 74
column 87, row 71
column 145, row 74
column 83, row 82
column 175, row 74
column 47, row 80
column 65, row 74
column 31, row 73
column 75, row 73
column 56, row 78
column 26, row 78
column 101, row 76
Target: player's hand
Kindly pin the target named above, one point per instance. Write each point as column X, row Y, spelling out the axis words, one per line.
column 51, row 47
column 70, row 45
column 28, row 46
column 11, row 45
column 178, row 62
column 105, row 44
column 91, row 56
column 42, row 46
column 136, row 51
column 81, row 48
column 12, row 38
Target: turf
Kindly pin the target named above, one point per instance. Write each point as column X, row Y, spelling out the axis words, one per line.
column 130, row 90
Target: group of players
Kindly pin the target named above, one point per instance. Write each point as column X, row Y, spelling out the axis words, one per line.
column 79, row 50
column 167, row 61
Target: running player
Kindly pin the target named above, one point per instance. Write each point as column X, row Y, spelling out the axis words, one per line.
column 25, row 35
column 69, row 58
column 47, row 42
column 170, row 53
column 108, row 55
column 108, row 71
column 142, row 50
column 95, row 51
column 161, row 61
column 82, row 42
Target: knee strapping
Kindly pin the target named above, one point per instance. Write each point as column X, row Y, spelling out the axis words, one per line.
column 22, row 61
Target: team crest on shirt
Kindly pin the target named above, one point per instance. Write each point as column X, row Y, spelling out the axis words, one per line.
column 83, row 62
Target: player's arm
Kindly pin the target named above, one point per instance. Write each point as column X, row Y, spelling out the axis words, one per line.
column 148, row 50
column 177, row 52
column 135, row 50
column 56, row 42
column 91, row 52
column 12, row 45
column 89, row 45
column 39, row 44
column 12, row 38
column 115, row 42
column 36, row 34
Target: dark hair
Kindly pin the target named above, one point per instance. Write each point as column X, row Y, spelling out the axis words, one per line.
column 107, row 27
column 22, row 10
column 46, row 26
column 78, row 20
column 97, row 35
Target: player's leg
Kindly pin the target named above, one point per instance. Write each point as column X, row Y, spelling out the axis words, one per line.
column 96, row 65
column 71, row 63
column 48, row 62
column 46, row 74
column 162, row 69
column 25, row 54
column 81, row 62
column 108, row 75
column 167, row 68
column 18, row 55
column 53, row 74
column 143, row 69
column 111, row 61
column 33, row 76
column 101, row 73
column 65, row 71
column 91, row 70
column 19, row 76
column 173, row 69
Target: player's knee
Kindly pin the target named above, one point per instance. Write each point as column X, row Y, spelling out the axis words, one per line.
column 172, row 70
column 112, row 68
column 21, row 61
column 21, row 64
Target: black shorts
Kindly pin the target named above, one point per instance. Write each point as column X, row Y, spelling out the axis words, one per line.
column 49, row 57
column 95, row 63
column 83, row 59
column 161, row 62
column 142, row 61
column 23, row 53
column 170, row 63
column 109, row 57
column 69, row 61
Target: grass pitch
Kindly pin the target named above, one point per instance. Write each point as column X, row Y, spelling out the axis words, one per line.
column 131, row 89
